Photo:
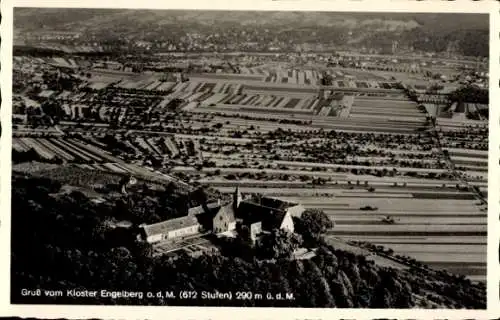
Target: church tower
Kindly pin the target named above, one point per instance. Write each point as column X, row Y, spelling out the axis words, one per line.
column 237, row 198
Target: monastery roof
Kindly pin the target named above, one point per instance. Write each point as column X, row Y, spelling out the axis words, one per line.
column 170, row 225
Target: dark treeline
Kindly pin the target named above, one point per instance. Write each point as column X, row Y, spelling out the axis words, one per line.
column 474, row 95
column 31, row 155
column 35, row 51
column 470, row 94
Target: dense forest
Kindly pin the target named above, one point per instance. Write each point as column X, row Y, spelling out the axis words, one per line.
column 62, row 241
column 468, row 42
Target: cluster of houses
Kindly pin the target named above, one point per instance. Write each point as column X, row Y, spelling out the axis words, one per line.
column 245, row 217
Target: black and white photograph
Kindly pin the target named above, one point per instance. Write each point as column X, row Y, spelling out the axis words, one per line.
column 230, row 158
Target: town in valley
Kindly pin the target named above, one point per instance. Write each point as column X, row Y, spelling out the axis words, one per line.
column 341, row 160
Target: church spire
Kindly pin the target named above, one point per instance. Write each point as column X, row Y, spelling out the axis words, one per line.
column 237, row 197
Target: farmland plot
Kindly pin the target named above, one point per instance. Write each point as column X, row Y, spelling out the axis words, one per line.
column 362, row 124
column 227, row 77
column 41, row 149
column 76, row 151
column 19, row 146
column 385, row 108
column 447, row 234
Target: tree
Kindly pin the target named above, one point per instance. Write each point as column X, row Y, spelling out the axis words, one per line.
column 278, row 244
column 312, row 224
column 201, row 197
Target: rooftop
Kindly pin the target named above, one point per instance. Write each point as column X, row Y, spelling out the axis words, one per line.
column 228, row 209
column 199, row 209
column 252, row 212
column 169, row 225
column 273, row 203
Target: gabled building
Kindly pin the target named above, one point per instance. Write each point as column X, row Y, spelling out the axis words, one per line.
column 224, row 220
column 173, row 229
column 256, row 215
column 269, row 217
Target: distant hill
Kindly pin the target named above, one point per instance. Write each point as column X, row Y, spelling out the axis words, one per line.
column 52, row 18
column 424, row 31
